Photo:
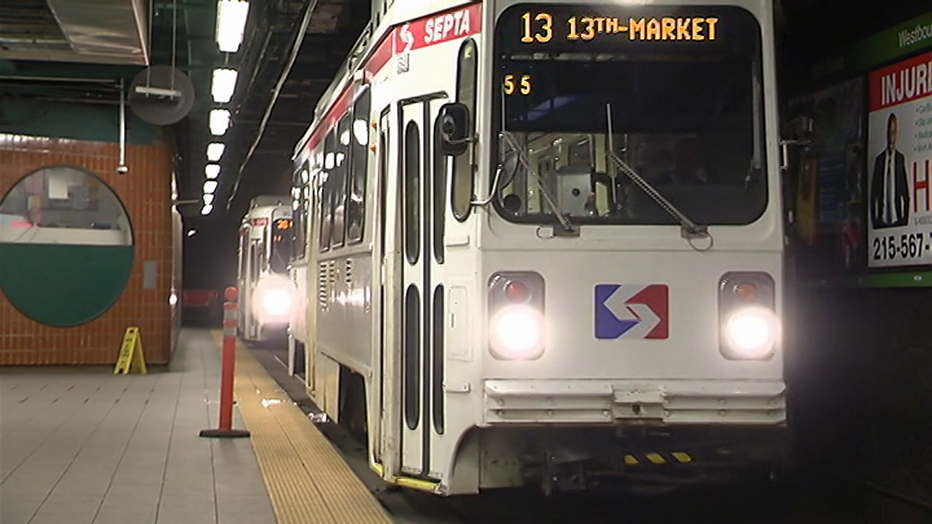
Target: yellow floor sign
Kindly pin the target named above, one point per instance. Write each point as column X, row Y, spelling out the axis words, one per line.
column 131, row 355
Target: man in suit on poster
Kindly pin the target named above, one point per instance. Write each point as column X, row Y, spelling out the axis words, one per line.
column 889, row 188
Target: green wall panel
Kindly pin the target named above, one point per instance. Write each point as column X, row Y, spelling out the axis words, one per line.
column 99, row 123
column 64, row 285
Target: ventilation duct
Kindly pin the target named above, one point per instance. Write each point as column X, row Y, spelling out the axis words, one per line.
column 91, row 31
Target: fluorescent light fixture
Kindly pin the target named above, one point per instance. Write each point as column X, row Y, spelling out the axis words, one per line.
column 208, row 199
column 219, row 121
column 224, row 83
column 210, row 186
column 207, row 209
column 231, row 24
column 215, row 151
column 212, row 171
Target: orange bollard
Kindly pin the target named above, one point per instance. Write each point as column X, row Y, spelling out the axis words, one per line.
column 228, row 366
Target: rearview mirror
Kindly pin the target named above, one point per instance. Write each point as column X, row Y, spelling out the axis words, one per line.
column 453, row 126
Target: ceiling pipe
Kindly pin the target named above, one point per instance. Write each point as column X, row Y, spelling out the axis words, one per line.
column 121, row 168
column 309, row 8
column 58, row 79
column 33, row 41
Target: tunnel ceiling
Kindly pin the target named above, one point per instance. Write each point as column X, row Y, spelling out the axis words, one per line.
column 47, row 52
column 80, row 49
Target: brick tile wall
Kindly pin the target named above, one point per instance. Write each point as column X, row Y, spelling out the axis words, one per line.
column 146, row 193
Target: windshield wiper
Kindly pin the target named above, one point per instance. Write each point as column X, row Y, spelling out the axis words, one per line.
column 688, row 229
column 525, row 163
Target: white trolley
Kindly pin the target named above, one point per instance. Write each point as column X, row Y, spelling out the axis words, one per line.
column 266, row 294
column 543, row 243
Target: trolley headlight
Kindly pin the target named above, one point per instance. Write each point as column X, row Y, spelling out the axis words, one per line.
column 273, row 298
column 276, row 302
column 515, row 333
column 750, row 329
column 516, row 319
column 751, row 332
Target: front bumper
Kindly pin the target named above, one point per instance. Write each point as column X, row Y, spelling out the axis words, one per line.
column 635, row 403
column 267, row 320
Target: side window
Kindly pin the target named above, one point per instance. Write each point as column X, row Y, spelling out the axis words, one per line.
column 356, row 204
column 412, row 191
column 300, row 211
column 462, row 181
column 326, row 197
column 254, row 261
column 263, row 250
column 340, row 170
column 243, row 253
column 384, row 140
column 312, row 196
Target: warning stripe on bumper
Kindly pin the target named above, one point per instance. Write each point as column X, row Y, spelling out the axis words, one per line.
column 655, row 458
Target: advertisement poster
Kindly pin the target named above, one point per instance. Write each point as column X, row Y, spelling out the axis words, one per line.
column 899, row 163
column 828, row 181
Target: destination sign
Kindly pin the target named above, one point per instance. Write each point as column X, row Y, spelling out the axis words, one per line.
column 561, row 28
column 538, row 27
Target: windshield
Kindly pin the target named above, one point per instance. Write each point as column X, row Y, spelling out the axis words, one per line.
column 281, row 245
column 680, row 88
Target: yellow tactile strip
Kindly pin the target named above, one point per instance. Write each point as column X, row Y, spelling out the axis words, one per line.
column 307, row 479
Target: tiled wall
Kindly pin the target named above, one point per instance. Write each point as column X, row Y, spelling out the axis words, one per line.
column 146, row 193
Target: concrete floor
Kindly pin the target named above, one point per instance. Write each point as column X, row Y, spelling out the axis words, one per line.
column 81, row 445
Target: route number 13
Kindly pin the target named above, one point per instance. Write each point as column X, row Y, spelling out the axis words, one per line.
column 546, row 30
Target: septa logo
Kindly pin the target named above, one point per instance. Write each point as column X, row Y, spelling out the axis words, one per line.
column 407, row 38
column 632, row 311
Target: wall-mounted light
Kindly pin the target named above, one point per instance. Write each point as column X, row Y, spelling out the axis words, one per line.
column 223, row 85
column 231, row 24
column 207, row 209
column 219, row 121
column 210, row 186
column 208, row 199
column 212, row 171
column 215, row 151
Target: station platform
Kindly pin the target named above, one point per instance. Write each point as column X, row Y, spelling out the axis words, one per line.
column 82, row 445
